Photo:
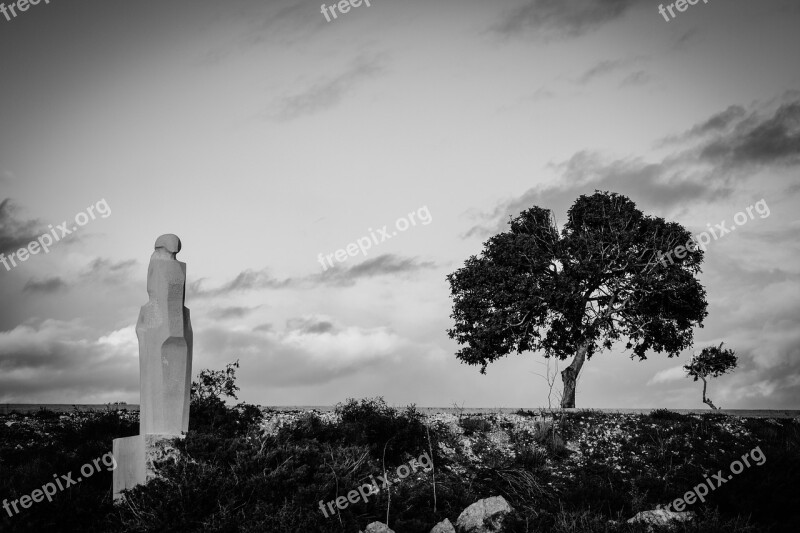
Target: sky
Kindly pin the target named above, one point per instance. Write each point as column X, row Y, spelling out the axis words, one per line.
column 268, row 138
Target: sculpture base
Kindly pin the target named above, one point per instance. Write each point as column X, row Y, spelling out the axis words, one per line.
column 137, row 457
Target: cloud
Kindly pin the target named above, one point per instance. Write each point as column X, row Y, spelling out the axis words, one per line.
column 758, row 139
column 107, row 271
column 736, row 136
column 339, row 276
column 686, row 37
column 46, row 286
column 382, row 265
column 7, row 176
column 310, row 350
column 341, row 347
column 15, row 233
column 282, row 19
column 719, row 122
column 277, row 21
column 765, row 337
column 675, row 373
column 601, row 69
column 326, row 93
column 248, row 280
column 770, row 340
column 571, row 18
column 723, row 148
column 224, row 313
column 610, row 66
column 542, row 93
column 654, row 184
column 633, row 79
column 54, row 361
column 311, row 325
column 754, row 389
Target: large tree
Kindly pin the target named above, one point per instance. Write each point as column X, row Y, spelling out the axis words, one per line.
column 571, row 294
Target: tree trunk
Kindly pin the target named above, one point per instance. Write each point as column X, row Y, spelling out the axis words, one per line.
column 570, row 376
column 707, row 400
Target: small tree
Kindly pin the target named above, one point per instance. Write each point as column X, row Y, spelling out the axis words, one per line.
column 216, row 383
column 711, row 362
column 208, row 411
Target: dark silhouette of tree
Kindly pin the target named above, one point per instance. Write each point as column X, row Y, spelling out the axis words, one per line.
column 711, row 362
column 570, row 295
column 208, row 412
column 216, row 383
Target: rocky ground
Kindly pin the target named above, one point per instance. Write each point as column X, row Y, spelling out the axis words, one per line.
column 631, row 450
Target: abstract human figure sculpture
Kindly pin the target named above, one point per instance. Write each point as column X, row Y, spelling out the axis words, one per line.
column 164, row 331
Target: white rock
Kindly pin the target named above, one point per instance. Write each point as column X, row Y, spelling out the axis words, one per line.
column 378, row 527
column 661, row 517
column 445, row 526
column 484, row 516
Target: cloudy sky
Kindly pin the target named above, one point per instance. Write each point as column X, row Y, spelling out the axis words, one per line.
column 264, row 136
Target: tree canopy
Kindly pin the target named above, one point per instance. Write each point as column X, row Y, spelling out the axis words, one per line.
column 711, row 362
column 574, row 292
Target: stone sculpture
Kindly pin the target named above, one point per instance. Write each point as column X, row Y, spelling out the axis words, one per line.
column 165, row 344
column 164, row 331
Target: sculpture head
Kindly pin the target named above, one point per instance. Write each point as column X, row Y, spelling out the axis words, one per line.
column 167, row 247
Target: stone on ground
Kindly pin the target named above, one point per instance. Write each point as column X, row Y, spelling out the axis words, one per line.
column 377, row 527
column 445, row 526
column 661, row 517
column 484, row 516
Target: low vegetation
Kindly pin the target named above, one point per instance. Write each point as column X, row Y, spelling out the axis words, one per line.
column 241, row 471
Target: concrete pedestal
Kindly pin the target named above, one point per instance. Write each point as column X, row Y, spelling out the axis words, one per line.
column 137, row 459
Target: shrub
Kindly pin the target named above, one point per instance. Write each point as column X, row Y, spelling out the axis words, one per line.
column 475, row 425
column 547, row 434
column 388, row 432
column 208, row 411
column 533, row 458
column 666, row 414
column 45, row 414
column 35, row 448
